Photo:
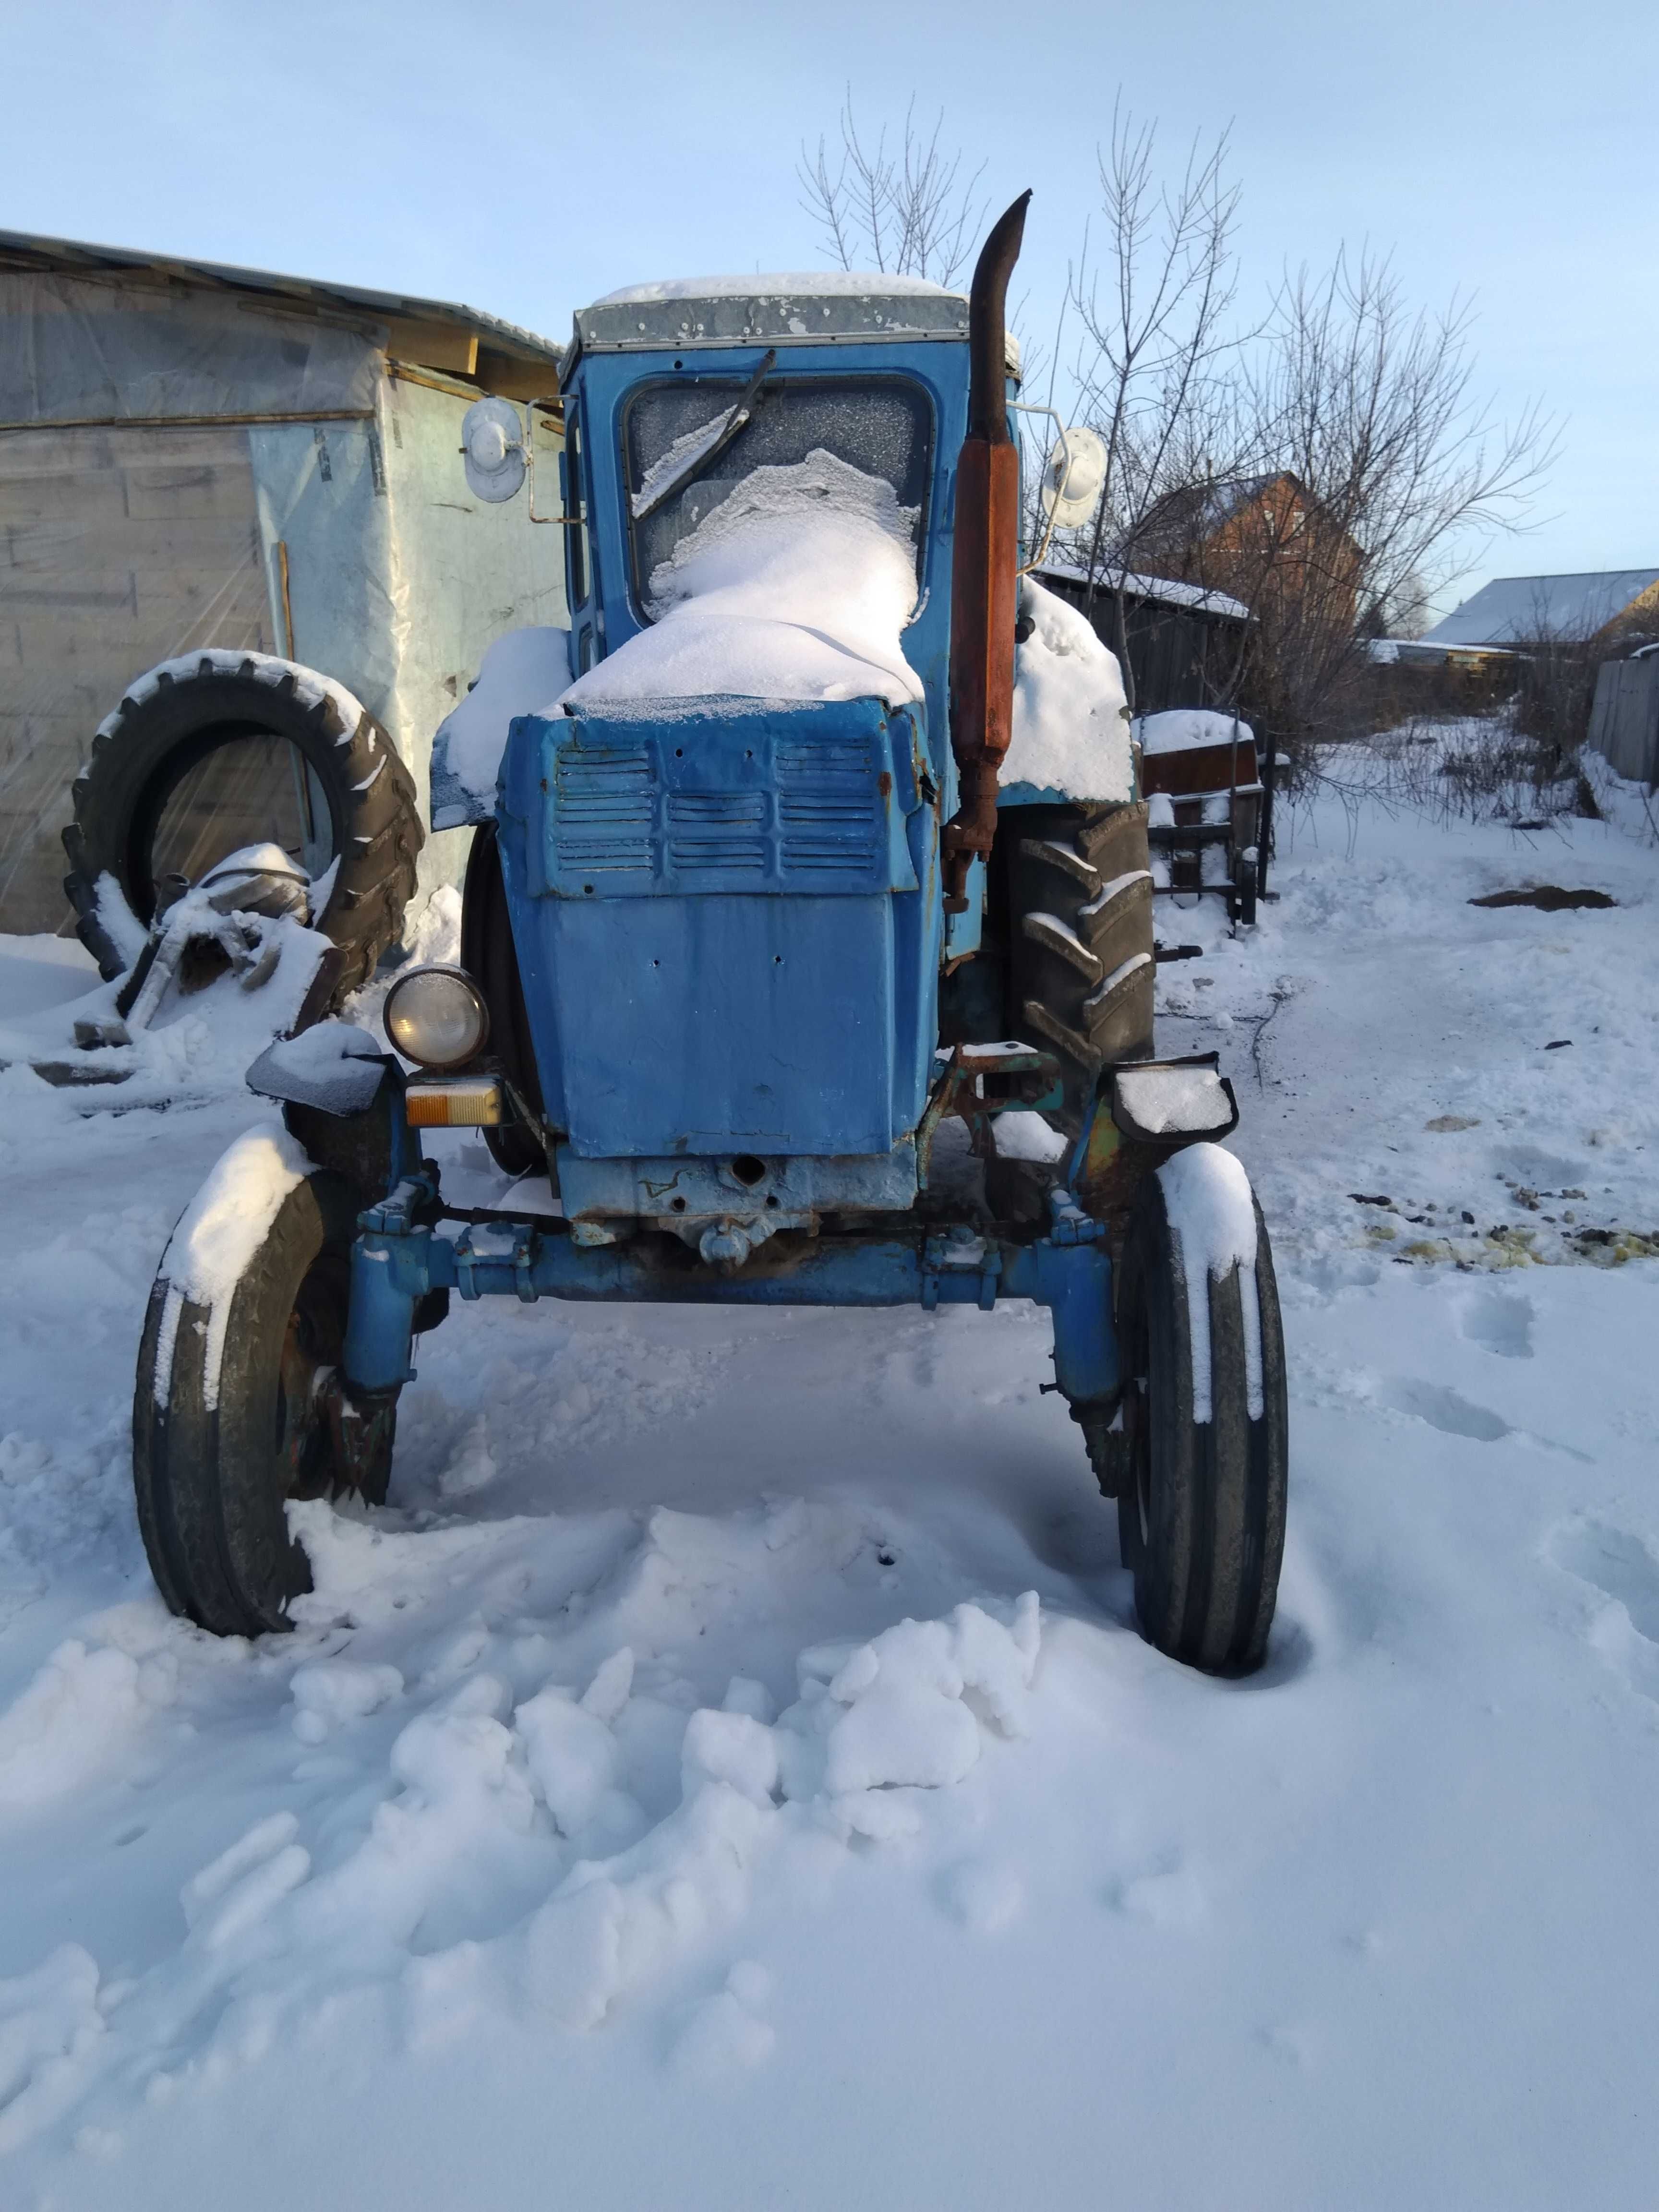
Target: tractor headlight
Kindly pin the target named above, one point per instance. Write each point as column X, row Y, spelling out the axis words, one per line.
column 437, row 1017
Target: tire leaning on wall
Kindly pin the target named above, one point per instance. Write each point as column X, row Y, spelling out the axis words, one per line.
column 168, row 723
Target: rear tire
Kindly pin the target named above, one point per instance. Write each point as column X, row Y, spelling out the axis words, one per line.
column 1079, row 901
column 212, row 1481
column 1200, row 1503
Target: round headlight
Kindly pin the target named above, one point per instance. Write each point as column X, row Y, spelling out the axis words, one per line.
column 437, row 1016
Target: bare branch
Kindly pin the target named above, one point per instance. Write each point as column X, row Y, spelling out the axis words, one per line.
column 906, row 212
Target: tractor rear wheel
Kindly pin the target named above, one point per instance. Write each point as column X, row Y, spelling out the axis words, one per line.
column 1079, row 936
column 1199, row 1463
column 217, row 1455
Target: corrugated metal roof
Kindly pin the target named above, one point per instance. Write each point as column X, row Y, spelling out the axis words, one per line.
column 1163, row 590
column 1520, row 610
column 71, row 257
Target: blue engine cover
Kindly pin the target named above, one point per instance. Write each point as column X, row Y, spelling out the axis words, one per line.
column 727, row 921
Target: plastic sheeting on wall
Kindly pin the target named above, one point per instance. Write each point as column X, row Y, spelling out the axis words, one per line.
column 79, row 348
column 351, row 546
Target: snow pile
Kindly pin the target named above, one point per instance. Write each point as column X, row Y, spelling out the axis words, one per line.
column 1190, row 729
column 873, row 1727
column 1207, row 1194
column 539, row 1857
column 310, row 688
column 182, row 1046
column 1628, row 805
column 797, row 586
column 522, row 672
column 1070, row 731
column 215, row 1242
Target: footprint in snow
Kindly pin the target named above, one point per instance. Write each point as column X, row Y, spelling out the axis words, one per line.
column 1169, row 1896
column 1447, row 1409
column 1498, row 1320
column 1622, row 1568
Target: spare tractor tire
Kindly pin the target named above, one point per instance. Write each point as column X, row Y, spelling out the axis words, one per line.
column 215, row 751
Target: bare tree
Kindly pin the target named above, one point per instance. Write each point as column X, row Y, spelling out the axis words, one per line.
column 1330, row 466
column 1377, row 467
column 1155, row 360
column 906, row 211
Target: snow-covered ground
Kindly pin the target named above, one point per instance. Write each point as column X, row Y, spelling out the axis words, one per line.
column 573, row 1851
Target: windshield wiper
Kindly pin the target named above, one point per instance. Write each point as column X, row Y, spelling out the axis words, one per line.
column 736, row 423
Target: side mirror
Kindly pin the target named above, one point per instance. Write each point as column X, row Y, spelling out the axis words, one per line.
column 493, row 449
column 1072, row 478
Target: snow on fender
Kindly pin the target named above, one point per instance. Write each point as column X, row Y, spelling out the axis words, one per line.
column 1212, row 1213
column 217, row 1236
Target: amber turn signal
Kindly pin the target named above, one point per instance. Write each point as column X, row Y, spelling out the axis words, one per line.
column 463, row 1101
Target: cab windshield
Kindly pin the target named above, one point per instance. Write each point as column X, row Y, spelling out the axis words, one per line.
column 882, row 426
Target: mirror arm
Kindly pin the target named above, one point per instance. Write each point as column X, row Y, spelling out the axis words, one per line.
column 562, row 521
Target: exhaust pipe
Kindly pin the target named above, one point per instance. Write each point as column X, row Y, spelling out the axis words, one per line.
column 984, row 583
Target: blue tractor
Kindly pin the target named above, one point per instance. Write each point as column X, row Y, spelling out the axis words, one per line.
column 807, row 955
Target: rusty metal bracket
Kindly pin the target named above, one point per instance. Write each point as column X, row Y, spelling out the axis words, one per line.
column 979, row 1081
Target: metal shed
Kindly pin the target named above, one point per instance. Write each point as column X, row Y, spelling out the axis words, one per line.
column 196, row 457
column 1624, row 724
column 1187, row 647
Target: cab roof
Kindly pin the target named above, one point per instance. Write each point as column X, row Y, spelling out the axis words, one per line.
column 817, row 307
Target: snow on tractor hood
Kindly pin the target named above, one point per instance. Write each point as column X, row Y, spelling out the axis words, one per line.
column 797, row 586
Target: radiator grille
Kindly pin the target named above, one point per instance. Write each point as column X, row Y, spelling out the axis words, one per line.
column 831, row 816
column 730, row 809
column 606, row 807
column 718, row 830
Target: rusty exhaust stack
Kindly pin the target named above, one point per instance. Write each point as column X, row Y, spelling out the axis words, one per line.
column 985, row 582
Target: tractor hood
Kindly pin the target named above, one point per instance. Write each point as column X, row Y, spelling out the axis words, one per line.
column 797, row 586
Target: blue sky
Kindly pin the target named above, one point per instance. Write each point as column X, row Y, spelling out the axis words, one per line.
column 525, row 157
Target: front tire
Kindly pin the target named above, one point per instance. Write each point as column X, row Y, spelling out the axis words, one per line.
column 1200, row 1501
column 212, row 1479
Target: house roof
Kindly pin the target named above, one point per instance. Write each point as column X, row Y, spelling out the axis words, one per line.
column 1521, row 610
column 412, row 322
column 1161, row 591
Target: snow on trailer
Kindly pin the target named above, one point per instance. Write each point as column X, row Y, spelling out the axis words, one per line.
column 1200, row 768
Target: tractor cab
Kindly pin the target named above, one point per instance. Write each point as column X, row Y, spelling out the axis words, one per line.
column 720, row 846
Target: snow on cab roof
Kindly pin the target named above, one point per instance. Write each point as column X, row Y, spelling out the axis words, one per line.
column 807, row 307
column 811, row 284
